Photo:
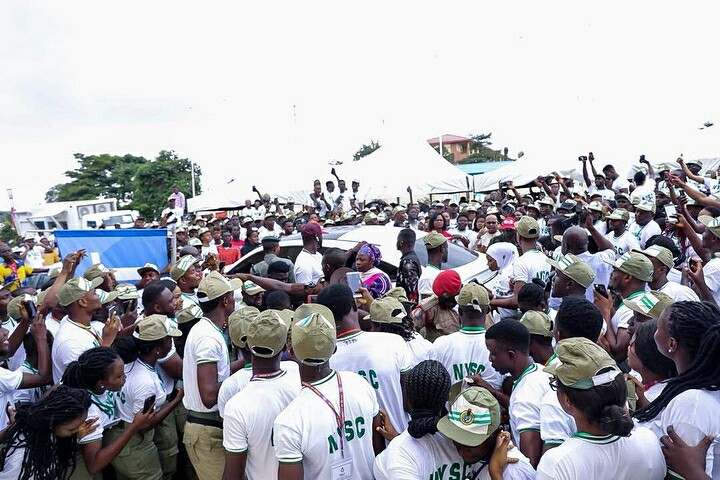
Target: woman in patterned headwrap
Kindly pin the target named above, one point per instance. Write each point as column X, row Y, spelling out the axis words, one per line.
column 375, row 280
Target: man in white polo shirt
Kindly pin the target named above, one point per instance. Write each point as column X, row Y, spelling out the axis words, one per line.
column 308, row 264
column 331, row 428
column 663, row 263
column 249, row 417
column 187, row 273
column 205, row 366
column 75, row 335
column 464, row 353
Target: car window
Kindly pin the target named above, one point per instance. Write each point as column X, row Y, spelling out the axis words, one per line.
column 457, row 256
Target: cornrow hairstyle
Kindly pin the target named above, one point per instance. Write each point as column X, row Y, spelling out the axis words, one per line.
column 46, row 456
column 696, row 327
column 427, row 387
column 648, row 353
column 91, row 367
column 406, row 329
column 130, row 348
column 603, row 405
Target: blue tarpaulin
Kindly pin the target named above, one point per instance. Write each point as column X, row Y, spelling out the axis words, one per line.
column 122, row 250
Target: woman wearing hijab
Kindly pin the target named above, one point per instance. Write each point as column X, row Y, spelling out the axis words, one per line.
column 500, row 258
column 373, row 279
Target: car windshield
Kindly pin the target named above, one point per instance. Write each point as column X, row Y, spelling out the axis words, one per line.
column 457, row 256
column 121, row 219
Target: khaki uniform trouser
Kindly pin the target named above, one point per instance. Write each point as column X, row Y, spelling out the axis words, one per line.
column 139, row 460
column 166, row 441
column 205, row 450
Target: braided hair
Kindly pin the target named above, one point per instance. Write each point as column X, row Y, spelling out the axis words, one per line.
column 91, row 367
column 427, row 387
column 46, row 456
column 696, row 327
column 406, row 329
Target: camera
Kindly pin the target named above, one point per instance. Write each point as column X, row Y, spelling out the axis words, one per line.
column 578, row 218
column 506, row 184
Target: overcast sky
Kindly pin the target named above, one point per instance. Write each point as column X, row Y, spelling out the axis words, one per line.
column 217, row 81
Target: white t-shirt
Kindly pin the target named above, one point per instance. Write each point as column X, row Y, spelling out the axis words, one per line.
column 623, row 314
column 264, row 232
column 307, row 430
column 174, row 215
column 527, row 393
column 212, row 248
column 464, row 353
column 694, row 414
column 605, row 193
column 249, row 418
column 205, row 344
column 103, row 408
column 655, row 390
column 29, row 395
column 602, row 270
column 425, row 282
column 308, row 267
column 34, row 257
column 487, row 236
column 16, row 361
column 624, row 243
column 531, row 264
column 643, row 232
column 468, row 233
column 9, row 383
column 418, row 349
column 608, row 457
column 434, row 456
column 379, row 358
column 71, row 341
column 679, row 292
column 645, row 192
column 142, row 382
column 239, row 380
column 711, row 272
column 556, row 425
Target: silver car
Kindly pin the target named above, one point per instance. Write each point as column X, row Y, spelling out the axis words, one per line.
column 469, row 265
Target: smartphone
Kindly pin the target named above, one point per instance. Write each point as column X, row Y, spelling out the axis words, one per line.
column 693, row 264
column 111, row 310
column 30, row 306
column 354, row 282
column 312, row 299
column 670, row 211
column 600, row 288
column 149, row 401
column 642, row 158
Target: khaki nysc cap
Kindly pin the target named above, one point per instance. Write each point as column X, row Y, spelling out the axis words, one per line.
column 434, row 240
column 474, row 416
column 474, row 296
column 573, row 268
column 712, row 224
column 527, row 227
column 127, row 291
column 106, row 297
column 155, row 327
column 398, row 293
column 13, row 307
column 645, row 206
column 387, row 310
column 96, row 271
column 182, row 266
column 579, row 361
column 252, row 288
column 547, row 201
column 313, row 334
column 538, row 323
column 635, row 264
column 619, row 214
column 189, row 314
column 238, row 324
column 597, row 206
column 75, row 289
column 650, row 304
column 147, row 267
column 214, row 285
column 267, row 334
column 662, row 254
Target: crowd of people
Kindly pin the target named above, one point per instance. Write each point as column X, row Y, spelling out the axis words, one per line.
column 590, row 352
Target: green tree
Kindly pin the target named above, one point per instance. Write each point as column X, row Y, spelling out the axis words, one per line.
column 153, row 182
column 7, row 233
column 366, row 150
column 99, row 175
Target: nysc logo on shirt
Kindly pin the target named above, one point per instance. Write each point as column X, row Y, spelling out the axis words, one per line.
column 353, row 430
column 462, row 370
column 454, row 471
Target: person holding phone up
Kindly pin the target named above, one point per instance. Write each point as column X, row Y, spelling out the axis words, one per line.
column 143, row 390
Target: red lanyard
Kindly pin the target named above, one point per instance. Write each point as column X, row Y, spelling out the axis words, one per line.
column 261, row 376
column 339, row 417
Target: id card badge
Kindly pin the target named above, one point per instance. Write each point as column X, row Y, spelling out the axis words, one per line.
column 342, row 469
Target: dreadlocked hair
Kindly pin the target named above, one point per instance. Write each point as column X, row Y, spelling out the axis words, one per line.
column 406, row 329
column 46, row 456
column 427, row 386
column 691, row 323
column 91, row 367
